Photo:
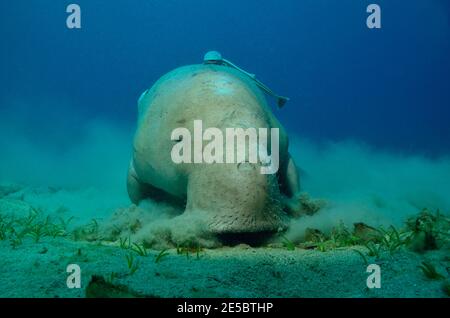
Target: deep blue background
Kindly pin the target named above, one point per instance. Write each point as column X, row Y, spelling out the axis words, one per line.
column 387, row 87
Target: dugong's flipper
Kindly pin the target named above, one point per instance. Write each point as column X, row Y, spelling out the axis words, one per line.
column 137, row 191
column 290, row 181
column 297, row 203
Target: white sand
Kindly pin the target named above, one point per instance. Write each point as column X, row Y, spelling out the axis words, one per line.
column 39, row 269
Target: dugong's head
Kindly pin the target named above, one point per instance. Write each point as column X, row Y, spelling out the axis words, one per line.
column 237, row 199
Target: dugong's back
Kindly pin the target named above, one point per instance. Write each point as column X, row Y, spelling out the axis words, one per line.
column 219, row 96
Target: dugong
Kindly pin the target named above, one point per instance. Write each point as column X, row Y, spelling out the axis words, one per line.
column 236, row 198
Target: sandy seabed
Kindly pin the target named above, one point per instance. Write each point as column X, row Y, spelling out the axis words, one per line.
column 37, row 268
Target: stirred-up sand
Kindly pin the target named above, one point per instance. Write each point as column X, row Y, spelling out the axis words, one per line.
column 36, row 266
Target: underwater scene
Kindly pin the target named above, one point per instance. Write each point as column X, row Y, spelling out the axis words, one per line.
column 225, row 149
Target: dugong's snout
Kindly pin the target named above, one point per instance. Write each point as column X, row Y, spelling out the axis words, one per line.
column 237, row 199
column 247, row 222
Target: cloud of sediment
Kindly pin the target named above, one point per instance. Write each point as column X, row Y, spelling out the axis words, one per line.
column 52, row 144
column 363, row 184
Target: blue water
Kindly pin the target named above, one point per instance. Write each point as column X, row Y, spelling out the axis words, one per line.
column 368, row 122
column 389, row 88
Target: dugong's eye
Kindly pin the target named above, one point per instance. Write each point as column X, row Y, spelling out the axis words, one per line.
column 142, row 96
column 245, row 166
